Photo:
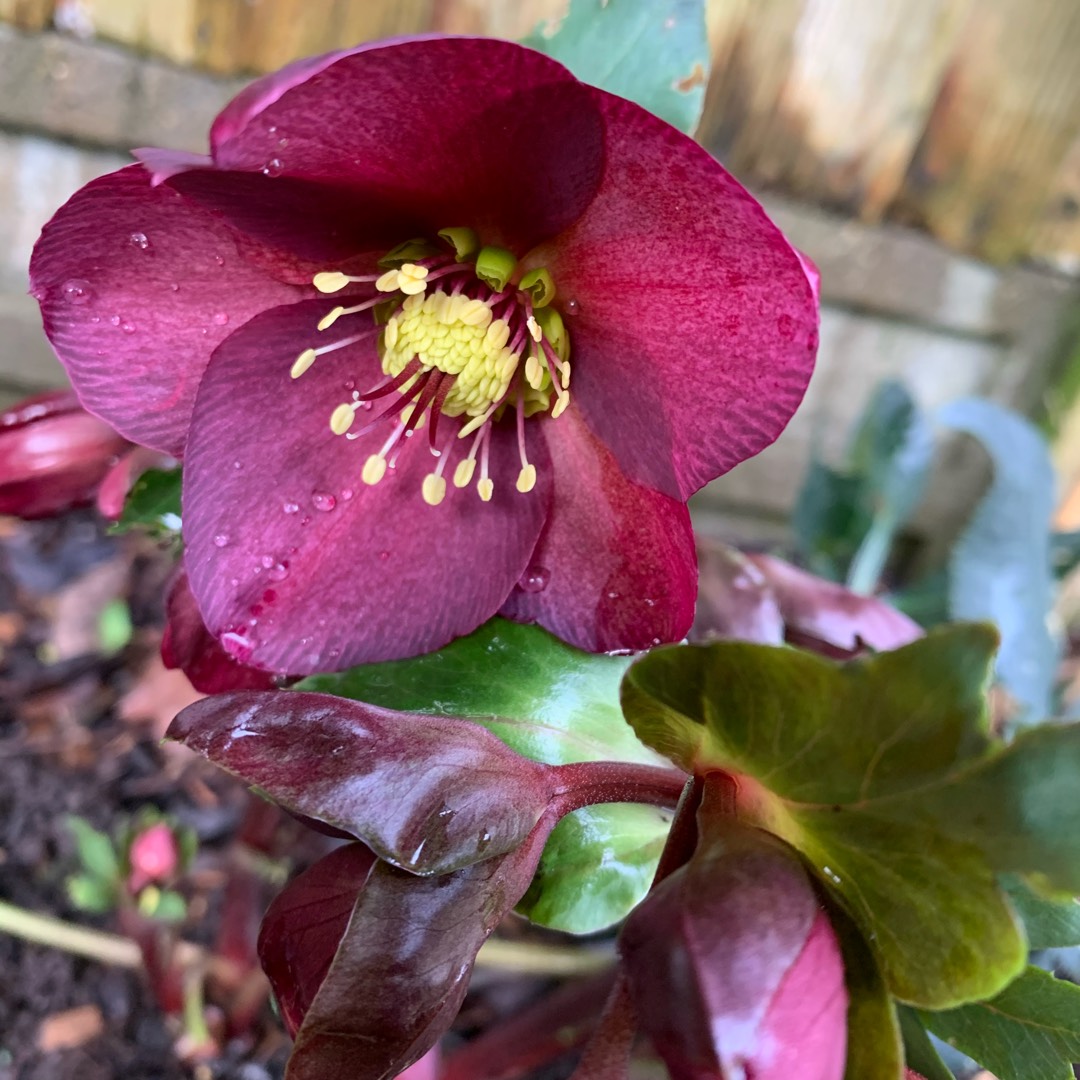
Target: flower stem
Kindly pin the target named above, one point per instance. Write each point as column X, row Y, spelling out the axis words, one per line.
column 122, row 952
column 584, row 783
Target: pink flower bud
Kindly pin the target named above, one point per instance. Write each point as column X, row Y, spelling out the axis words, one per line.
column 154, row 856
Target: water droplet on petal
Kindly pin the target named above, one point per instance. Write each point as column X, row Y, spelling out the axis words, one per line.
column 273, row 167
column 127, row 327
column 77, row 291
column 267, row 561
column 278, row 572
column 238, row 645
column 291, row 507
column 114, row 320
column 140, row 240
column 220, row 260
column 535, row 579
column 572, row 307
column 220, row 318
column 613, row 596
column 322, row 501
column 174, row 286
column 384, row 555
column 221, row 540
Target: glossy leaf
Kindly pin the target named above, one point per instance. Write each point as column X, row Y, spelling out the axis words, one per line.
column 543, row 698
column 1050, row 924
column 734, row 966
column 882, row 773
column 1030, row 1031
column 656, row 53
column 304, row 925
column 596, row 868
column 734, row 599
column 402, row 967
column 1000, row 568
column 425, row 793
column 153, row 504
column 552, row 703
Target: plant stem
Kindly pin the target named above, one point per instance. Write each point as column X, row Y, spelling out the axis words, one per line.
column 585, row 783
column 120, row 951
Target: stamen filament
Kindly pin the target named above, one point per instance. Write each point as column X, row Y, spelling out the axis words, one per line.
column 484, row 486
column 328, row 320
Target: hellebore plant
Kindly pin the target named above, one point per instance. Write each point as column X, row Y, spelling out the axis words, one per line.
column 438, row 331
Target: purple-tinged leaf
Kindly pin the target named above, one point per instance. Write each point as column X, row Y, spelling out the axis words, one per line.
column 403, row 964
column 304, row 925
column 734, row 966
column 734, row 598
column 429, row 794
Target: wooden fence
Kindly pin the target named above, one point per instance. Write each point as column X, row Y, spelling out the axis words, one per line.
column 962, row 116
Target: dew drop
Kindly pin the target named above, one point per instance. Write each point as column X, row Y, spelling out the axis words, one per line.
column 220, row 260
column 282, row 142
column 535, row 579
column 174, row 286
column 238, row 645
column 127, row 327
column 291, row 507
column 221, row 540
column 273, row 167
column 650, row 602
column 220, row 318
column 278, row 572
column 267, row 561
column 572, row 307
column 322, row 501
column 483, row 842
column 346, row 494
column 384, row 555
column 77, row 291
column 236, row 465
column 114, row 320
column 140, row 240
column 613, row 596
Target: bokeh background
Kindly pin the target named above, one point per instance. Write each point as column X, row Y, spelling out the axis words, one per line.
column 925, row 153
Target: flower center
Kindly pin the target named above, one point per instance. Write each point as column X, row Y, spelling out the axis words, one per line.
column 464, row 336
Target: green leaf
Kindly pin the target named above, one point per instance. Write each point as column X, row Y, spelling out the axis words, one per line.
column 153, row 504
column 553, row 704
column 596, row 867
column 1050, row 924
column 543, row 698
column 1030, row 1031
column 91, row 893
column 919, row 1052
column 168, row 906
column 95, row 850
column 829, row 520
column 882, row 773
column 654, row 52
column 1000, row 568
column 874, row 1049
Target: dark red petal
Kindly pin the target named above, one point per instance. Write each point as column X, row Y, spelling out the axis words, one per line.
column 188, row 645
column 697, row 325
column 116, row 484
column 469, row 131
column 300, row 564
column 828, row 618
column 137, row 287
column 53, row 455
column 615, row 566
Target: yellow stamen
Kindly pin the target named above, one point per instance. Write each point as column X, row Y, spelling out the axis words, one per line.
column 485, row 488
column 341, row 419
column 411, row 279
column 534, row 329
column 560, row 405
column 330, row 281
column 433, row 489
column 534, row 372
column 302, row 363
column 565, row 369
column 328, row 320
column 374, row 469
column 526, row 480
column 463, row 474
column 388, row 282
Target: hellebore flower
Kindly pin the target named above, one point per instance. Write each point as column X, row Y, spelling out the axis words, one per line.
column 53, row 455
column 439, row 331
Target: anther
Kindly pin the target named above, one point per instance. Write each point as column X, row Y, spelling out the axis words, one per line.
column 560, row 405
column 411, row 279
column 328, row 320
column 374, row 469
column 485, row 488
column 463, row 474
column 433, row 489
column 534, row 329
column 302, row 363
column 534, row 372
column 526, row 480
column 330, row 281
column 341, row 419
